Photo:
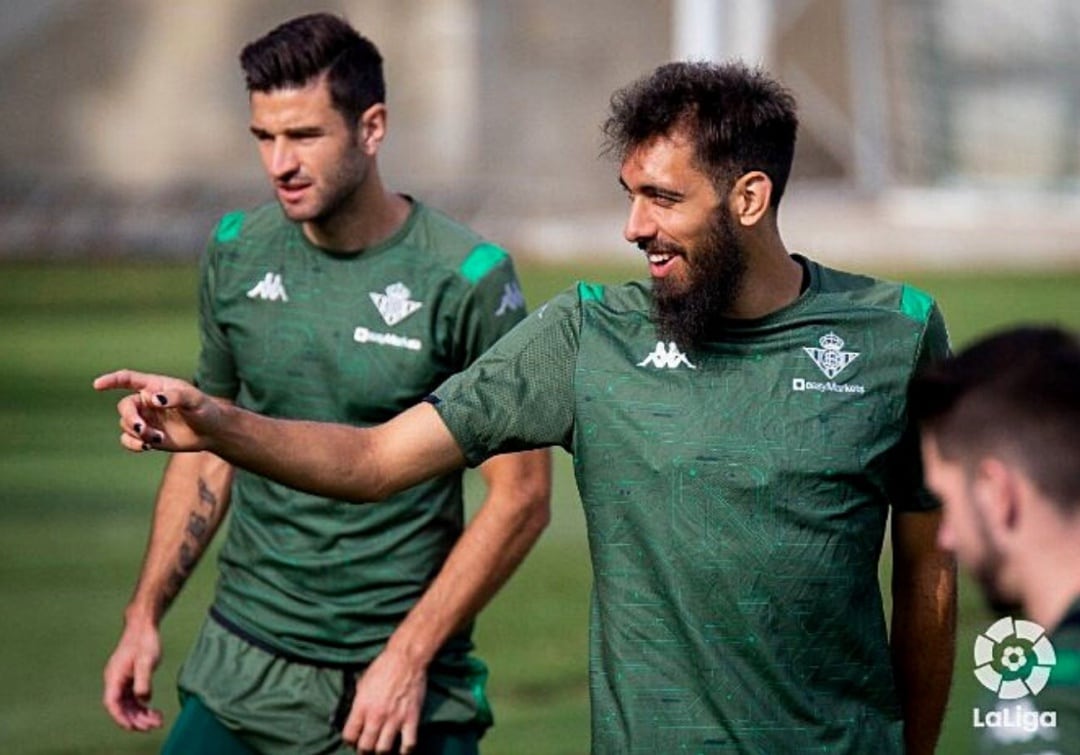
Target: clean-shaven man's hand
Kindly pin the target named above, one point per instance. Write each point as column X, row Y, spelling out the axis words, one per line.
column 388, row 702
column 129, row 679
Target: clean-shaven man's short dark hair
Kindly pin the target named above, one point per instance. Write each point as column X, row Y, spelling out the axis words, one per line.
column 305, row 48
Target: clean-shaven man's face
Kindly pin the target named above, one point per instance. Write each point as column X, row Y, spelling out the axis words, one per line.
column 313, row 157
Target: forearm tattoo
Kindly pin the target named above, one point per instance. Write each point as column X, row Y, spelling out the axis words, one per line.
column 196, row 536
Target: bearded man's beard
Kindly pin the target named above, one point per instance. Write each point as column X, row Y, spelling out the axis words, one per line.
column 688, row 312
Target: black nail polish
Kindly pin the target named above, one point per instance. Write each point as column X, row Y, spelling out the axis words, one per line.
column 160, row 398
column 138, row 428
column 158, row 438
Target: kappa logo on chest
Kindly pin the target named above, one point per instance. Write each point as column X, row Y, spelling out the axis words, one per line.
column 270, row 288
column 666, row 356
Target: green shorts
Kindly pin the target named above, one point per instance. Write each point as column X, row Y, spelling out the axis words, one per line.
column 248, row 700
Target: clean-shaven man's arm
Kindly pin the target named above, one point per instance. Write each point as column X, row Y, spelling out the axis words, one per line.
column 390, row 694
column 335, row 461
column 362, row 464
column 923, row 626
column 191, row 503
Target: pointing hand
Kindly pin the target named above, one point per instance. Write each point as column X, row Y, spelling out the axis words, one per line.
column 163, row 412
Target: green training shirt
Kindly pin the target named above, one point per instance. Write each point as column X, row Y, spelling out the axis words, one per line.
column 736, row 498
column 292, row 330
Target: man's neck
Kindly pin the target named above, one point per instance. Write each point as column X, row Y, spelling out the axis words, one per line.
column 1053, row 579
column 773, row 281
column 371, row 216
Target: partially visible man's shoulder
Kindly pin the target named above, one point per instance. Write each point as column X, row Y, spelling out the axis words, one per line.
column 1066, row 639
column 453, row 244
column 244, row 224
column 857, row 290
column 632, row 296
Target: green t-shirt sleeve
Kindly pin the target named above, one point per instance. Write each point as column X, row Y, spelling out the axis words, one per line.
column 216, row 373
column 492, row 306
column 519, row 394
column 935, row 343
column 907, row 490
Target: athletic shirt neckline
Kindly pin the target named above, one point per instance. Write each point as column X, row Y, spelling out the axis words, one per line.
column 811, row 284
column 394, row 239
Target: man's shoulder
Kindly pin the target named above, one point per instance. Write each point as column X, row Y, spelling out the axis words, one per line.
column 452, row 244
column 595, row 302
column 240, row 225
column 855, row 290
column 1066, row 640
column 631, row 296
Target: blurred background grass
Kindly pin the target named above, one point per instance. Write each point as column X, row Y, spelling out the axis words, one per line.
column 76, row 510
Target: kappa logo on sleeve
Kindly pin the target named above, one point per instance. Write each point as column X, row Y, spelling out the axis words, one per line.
column 512, row 299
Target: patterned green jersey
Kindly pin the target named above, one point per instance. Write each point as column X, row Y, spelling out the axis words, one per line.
column 1047, row 723
column 736, row 498
column 292, row 330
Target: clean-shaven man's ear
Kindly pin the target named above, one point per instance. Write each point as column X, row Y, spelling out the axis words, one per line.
column 372, row 128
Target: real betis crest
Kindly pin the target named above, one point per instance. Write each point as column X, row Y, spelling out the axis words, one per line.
column 395, row 305
column 831, row 359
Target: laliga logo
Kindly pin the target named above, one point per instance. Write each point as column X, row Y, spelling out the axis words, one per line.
column 1025, row 658
column 1013, row 660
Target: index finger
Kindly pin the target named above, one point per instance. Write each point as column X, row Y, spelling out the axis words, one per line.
column 122, row 379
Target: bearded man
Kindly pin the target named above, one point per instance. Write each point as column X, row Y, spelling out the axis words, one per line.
column 740, row 437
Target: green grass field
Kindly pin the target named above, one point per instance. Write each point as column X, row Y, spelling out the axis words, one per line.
column 75, row 511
